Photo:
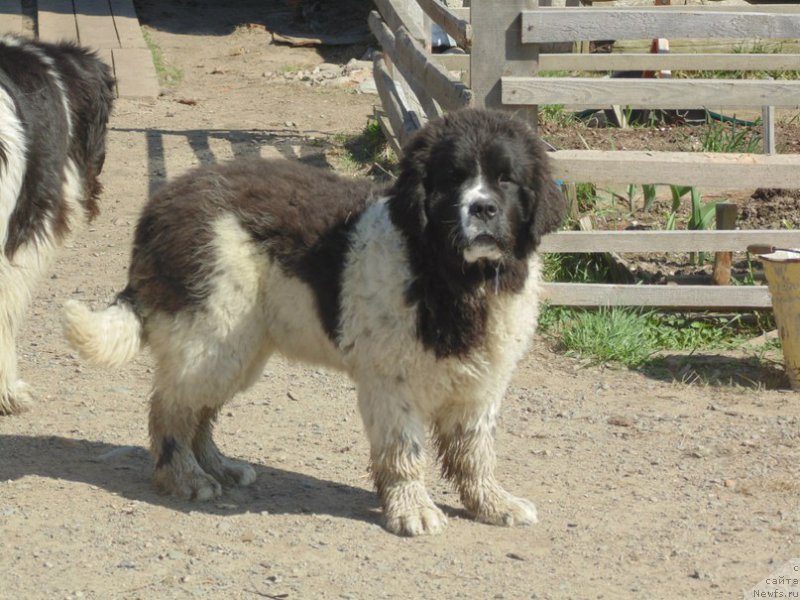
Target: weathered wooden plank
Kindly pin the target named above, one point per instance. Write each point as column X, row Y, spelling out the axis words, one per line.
column 411, row 77
column 657, row 62
column 450, row 93
column 127, row 24
column 683, row 168
column 135, row 73
column 56, row 21
column 783, row 7
column 388, row 132
column 641, row 62
column 11, row 17
column 569, row 25
column 497, row 50
column 667, row 241
column 649, row 93
column 459, row 29
column 402, row 121
column 399, row 14
column 95, row 24
column 658, row 296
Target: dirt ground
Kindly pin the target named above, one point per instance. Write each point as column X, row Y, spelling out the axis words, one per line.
column 679, row 484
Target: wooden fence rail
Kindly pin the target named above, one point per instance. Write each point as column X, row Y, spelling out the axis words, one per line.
column 504, row 38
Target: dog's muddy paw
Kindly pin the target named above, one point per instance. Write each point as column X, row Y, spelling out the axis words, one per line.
column 15, row 400
column 505, row 509
column 196, row 485
column 426, row 520
column 411, row 512
column 235, row 473
column 229, row 472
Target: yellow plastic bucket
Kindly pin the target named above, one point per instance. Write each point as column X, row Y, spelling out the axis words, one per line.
column 782, row 268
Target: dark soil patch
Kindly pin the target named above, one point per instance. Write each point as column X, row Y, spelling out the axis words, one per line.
column 767, row 208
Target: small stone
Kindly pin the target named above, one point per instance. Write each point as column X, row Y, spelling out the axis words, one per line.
column 729, row 483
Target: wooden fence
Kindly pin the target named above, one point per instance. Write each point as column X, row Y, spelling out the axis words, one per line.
column 498, row 65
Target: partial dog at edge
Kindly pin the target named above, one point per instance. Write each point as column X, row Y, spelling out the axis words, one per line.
column 55, row 101
column 425, row 293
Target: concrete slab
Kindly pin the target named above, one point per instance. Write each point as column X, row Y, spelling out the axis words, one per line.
column 127, row 24
column 96, row 24
column 56, row 20
column 136, row 76
column 11, row 17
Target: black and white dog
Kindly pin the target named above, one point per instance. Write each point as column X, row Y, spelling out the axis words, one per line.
column 424, row 293
column 54, row 105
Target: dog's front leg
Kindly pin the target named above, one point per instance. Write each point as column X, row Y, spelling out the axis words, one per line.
column 14, row 296
column 465, row 441
column 397, row 460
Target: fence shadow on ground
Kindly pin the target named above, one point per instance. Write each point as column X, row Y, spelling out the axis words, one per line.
column 126, row 471
column 308, row 147
column 718, row 370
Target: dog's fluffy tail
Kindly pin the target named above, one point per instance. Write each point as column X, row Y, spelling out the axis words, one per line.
column 107, row 338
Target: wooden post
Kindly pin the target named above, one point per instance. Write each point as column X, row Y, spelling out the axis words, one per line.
column 726, row 213
column 768, row 123
column 497, row 50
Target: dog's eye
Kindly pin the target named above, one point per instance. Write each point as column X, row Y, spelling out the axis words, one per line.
column 504, row 180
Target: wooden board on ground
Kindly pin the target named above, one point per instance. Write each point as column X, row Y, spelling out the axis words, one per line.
column 56, row 20
column 136, row 76
column 95, row 24
column 127, row 24
column 11, row 17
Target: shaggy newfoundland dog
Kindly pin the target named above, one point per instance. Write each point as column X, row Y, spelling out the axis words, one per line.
column 54, row 105
column 424, row 293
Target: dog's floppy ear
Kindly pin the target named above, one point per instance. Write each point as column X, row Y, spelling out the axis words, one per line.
column 407, row 197
column 546, row 205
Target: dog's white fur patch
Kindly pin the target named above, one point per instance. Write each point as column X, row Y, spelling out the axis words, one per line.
column 12, row 172
column 475, row 190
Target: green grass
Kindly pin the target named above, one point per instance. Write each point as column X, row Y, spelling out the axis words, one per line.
column 730, row 137
column 576, row 268
column 555, row 114
column 167, row 74
column 633, row 337
column 364, row 152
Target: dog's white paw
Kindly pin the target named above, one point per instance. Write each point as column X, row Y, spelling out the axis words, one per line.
column 192, row 485
column 241, row 473
column 501, row 508
column 16, row 399
column 409, row 511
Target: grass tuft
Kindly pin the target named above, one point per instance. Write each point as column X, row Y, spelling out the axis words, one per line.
column 167, row 74
column 633, row 337
column 365, row 152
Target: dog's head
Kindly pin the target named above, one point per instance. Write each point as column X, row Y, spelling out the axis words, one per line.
column 475, row 189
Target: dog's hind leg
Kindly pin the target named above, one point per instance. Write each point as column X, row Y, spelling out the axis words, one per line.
column 397, row 438
column 201, row 363
column 172, row 430
column 225, row 470
column 465, row 440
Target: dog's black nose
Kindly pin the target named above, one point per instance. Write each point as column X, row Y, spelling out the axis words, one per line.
column 485, row 210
